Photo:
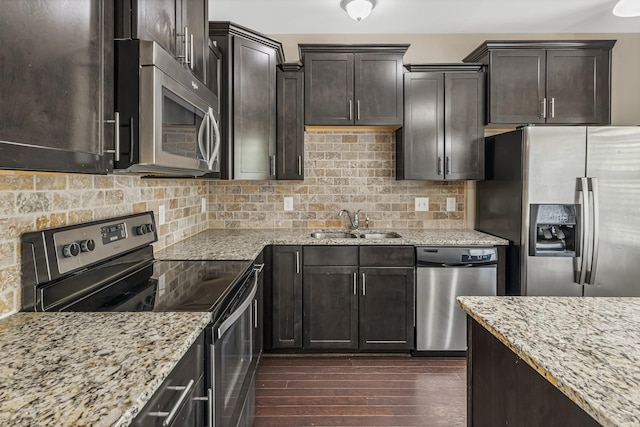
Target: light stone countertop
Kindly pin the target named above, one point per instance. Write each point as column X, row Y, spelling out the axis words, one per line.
column 225, row 244
column 88, row 369
column 588, row 348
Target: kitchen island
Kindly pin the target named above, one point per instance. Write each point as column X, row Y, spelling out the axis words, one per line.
column 581, row 361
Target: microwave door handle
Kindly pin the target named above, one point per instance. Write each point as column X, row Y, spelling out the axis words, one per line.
column 215, row 153
column 201, row 130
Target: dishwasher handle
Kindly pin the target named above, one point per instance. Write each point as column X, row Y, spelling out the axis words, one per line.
column 423, row 264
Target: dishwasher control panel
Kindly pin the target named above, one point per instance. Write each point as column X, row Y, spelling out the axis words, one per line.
column 456, row 255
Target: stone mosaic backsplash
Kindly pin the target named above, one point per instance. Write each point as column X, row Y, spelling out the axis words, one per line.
column 31, row 202
column 343, row 170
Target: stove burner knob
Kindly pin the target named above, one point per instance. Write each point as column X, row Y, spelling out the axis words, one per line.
column 87, row 245
column 144, row 229
column 71, row 250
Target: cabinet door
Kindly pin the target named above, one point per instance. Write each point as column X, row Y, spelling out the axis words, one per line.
column 56, row 90
column 330, row 308
column 156, row 20
column 464, row 125
column 254, row 110
column 517, row 86
column 287, row 297
column 422, row 155
column 290, row 125
column 195, row 18
column 378, row 89
column 386, row 312
column 578, row 86
column 328, row 88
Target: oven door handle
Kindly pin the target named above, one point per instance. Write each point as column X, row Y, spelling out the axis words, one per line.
column 224, row 326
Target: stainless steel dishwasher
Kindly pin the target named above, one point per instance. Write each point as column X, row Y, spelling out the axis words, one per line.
column 442, row 274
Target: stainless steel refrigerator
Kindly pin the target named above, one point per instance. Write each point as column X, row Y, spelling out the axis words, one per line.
column 568, row 200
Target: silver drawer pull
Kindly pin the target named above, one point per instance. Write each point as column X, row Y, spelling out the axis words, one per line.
column 169, row 416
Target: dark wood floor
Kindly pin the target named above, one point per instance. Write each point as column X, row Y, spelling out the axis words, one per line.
column 360, row 391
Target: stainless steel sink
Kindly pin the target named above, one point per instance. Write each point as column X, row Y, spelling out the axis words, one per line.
column 333, row 235
column 380, row 235
column 355, row 235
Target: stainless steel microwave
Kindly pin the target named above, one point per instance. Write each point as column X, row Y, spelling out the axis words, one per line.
column 167, row 118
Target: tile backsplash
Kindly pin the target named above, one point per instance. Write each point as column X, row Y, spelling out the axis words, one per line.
column 343, row 170
column 31, row 202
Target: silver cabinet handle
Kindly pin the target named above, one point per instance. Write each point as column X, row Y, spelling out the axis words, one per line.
column 272, row 165
column 186, row 45
column 350, row 111
column 595, row 221
column 355, row 283
column 169, row 416
column 364, row 284
column 544, row 108
column 448, row 168
column 300, row 165
column 208, row 398
column 116, row 126
column 191, row 51
column 297, row 262
column 440, row 165
column 358, row 109
column 553, row 107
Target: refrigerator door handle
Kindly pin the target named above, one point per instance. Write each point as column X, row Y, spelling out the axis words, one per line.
column 595, row 227
column 580, row 264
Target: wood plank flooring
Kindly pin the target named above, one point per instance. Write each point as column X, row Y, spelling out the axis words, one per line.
column 360, row 390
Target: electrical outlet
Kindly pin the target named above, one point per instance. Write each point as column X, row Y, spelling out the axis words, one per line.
column 160, row 214
column 288, row 203
column 203, row 204
column 451, row 204
column 422, row 204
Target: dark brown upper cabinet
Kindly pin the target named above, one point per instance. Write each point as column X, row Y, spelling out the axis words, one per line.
column 290, row 122
column 56, row 91
column 443, row 133
column 547, row 82
column 179, row 26
column 248, row 101
column 347, row 85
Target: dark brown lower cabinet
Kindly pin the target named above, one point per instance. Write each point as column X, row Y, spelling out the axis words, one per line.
column 286, row 297
column 503, row 390
column 330, row 314
column 386, row 308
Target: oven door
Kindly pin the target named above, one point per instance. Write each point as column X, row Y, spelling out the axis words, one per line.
column 233, row 358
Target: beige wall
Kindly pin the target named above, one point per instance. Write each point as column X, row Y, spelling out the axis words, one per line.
column 350, row 170
column 31, row 202
column 438, row 48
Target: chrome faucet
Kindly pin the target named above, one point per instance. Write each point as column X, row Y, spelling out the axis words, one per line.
column 355, row 219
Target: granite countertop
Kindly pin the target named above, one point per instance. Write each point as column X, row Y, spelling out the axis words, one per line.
column 223, row 244
column 88, row 369
column 589, row 348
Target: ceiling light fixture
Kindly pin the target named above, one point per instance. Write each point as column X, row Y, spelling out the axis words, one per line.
column 359, row 9
column 627, row 8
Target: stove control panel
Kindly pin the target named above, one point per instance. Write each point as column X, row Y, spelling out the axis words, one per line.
column 81, row 245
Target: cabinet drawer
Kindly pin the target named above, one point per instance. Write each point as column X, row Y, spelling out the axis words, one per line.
column 330, row 255
column 387, row 256
column 190, row 367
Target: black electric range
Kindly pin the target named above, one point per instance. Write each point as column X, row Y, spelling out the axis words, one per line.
column 108, row 265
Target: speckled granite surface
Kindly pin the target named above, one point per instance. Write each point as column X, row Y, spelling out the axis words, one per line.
column 87, row 369
column 589, row 348
column 247, row 244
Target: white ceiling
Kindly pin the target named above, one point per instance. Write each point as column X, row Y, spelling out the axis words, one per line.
column 426, row 16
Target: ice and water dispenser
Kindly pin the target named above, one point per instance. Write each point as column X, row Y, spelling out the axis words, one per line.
column 554, row 230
